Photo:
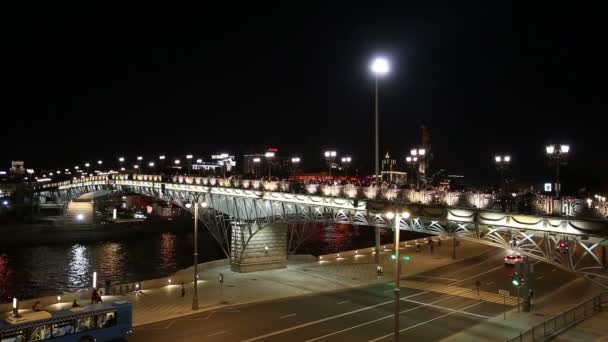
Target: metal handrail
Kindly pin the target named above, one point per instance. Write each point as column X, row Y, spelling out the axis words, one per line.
column 563, row 320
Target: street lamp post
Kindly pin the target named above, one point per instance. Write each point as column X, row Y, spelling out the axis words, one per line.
column 379, row 67
column 161, row 162
column 346, row 162
column 269, row 156
column 189, row 159
column 121, row 161
column 139, row 159
column 390, row 215
column 295, row 161
column 329, row 158
column 559, row 154
column 415, row 159
column 256, row 163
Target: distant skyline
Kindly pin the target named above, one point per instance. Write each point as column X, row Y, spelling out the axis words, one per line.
column 97, row 81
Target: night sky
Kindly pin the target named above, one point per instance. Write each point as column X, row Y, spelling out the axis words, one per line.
column 85, row 82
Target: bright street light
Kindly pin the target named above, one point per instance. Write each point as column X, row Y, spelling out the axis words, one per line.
column 380, row 66
column 140, row 158
column 121, row 159
column 99, row 162
column 151, row 164
column 189, row 156
column 161, row 157
column 295, row 160
column 177, row 161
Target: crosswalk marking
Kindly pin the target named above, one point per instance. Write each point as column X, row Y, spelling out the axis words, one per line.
column 460, row 292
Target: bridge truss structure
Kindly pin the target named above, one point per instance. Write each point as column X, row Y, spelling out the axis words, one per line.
column 572, row 244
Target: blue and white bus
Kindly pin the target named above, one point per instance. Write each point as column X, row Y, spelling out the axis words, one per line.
column 95, row 322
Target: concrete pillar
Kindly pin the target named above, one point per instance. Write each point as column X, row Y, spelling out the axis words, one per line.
column 258, row 250
column 377, row 247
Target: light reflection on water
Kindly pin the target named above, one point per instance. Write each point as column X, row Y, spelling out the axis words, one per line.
column 49, row 270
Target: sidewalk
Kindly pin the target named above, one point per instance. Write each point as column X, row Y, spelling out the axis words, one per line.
column 330, row 273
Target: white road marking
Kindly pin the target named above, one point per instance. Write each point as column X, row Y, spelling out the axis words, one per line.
column 422, row 323
column 346, row 301
column 278, row 332
column 440, row 278
column 448, row 309
column 290, row 315
column 490, row 283
column 376, row 320
column 217, row 333
column 539, row 277
column 325, row 319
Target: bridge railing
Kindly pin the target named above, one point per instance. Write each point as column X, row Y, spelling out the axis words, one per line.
column 525, row 204
column 564, row 320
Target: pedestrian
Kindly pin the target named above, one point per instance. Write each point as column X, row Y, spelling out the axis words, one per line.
column 439, row 242
column 379, row 272
column 417, row 247
column 477, row 286
column 432, row 248
column 75, row 304
column 183, row 290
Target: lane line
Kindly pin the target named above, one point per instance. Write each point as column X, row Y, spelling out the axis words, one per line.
column 278, row 332
column 539, row 277
column 217, row 333
column 324, row 319
column 422, row 323
column 440, row 278
column 346, row 301
column 290, row 315
column 376, row 320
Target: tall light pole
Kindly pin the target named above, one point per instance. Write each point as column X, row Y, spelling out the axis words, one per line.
column 379, row 67
column 559, row 154
column 189, row 159
column 139, row 159
column 269, row 156
column 390, row 215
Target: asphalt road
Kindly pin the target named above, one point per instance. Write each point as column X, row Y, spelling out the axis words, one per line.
column 363, row 314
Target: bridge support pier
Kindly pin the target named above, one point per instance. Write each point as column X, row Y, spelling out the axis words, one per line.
column 258, row 249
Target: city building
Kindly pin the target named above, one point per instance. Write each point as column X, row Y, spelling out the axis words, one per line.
column 390, row 172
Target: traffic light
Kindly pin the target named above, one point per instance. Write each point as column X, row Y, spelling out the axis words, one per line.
column 515, row 281
column 407, row 258
column 393, row 257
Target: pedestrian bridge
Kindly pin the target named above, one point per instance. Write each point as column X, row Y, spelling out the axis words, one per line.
column 247, row 208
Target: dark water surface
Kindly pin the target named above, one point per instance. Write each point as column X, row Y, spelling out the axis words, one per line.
column 34, row 271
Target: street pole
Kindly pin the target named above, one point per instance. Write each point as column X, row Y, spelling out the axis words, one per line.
column 195, row 295
column 454, row 247
column 557, row 185
column 397, row 277
column 377, row 159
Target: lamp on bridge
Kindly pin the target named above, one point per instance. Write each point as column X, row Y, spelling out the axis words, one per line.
column 256, row 163
column 346, row 163
column 139, row 159
column 502, row 163
column 415, row 160
column 379, row 67
column 559, row 155
column 189, row 159
column 269, row 156
column 330, row 156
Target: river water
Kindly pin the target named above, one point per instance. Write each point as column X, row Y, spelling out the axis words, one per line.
column 35, row 271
